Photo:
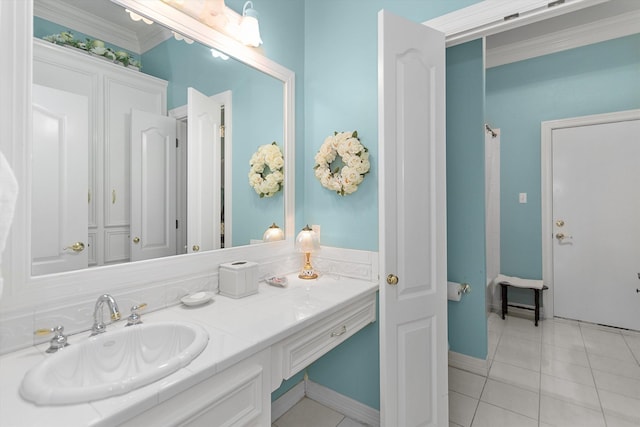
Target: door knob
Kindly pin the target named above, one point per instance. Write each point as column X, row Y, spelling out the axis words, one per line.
column 136, row 240
column 76, row 247
column 196, row 248
column 560, row 223
column 561, row 236
column 392, row 279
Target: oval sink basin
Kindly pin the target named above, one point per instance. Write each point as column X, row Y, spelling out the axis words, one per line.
column 113, row 363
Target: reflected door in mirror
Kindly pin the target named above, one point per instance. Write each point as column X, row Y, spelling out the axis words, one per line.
column 59, row 188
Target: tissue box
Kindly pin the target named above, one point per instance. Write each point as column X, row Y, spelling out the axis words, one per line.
column 238, row 279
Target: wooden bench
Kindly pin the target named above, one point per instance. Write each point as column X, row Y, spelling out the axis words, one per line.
column 504, row 289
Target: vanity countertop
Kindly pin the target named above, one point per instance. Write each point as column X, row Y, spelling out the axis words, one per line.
column 237, row 329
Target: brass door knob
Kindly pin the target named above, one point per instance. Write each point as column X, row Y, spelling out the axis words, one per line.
column 392, row 279
column 136, row 240
column 196, row 248
column 76, row 247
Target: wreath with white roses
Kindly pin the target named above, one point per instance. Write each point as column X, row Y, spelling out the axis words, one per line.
column 343, row 179
column 265, row 173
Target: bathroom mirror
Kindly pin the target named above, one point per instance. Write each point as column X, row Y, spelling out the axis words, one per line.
column 23, row 291
column 258, row 111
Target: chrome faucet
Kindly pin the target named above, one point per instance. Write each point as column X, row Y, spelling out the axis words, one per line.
column 98, row 320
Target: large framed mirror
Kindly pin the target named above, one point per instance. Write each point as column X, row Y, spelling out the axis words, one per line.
column 243, row 214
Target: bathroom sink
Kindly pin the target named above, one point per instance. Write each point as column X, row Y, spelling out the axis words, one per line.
column 113, row 363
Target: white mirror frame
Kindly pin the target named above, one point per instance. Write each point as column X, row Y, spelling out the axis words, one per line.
column 24, row 292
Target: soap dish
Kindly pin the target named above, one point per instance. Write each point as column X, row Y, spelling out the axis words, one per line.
column 198, row 298
column 278, row 281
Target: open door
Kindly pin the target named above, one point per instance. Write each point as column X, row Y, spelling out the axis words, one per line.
column 204, row 179
column 59, row 222
column 412, row 210
column 153, row 186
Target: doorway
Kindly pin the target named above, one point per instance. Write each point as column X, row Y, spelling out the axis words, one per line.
column 591, row 206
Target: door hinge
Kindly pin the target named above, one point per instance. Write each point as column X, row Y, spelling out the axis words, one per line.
column 221, row 131
column 176, row 142
column 176, row 224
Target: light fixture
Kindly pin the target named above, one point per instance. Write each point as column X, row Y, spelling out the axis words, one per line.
column 217, row 54
column 249, row 27
column 307, row 242
column 273, row 233
column 179, row 37
column 135, row 17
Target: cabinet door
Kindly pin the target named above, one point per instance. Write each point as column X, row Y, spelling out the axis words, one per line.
column 122, row 95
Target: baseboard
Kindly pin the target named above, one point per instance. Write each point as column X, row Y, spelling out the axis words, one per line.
column 468, row 363
column 287, row 401
column 343, row 404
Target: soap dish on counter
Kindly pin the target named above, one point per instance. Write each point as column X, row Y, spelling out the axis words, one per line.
column 198, row 298
column 277, row 281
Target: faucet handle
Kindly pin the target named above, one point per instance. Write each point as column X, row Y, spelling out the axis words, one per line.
column 135, row 318
column 59, row 339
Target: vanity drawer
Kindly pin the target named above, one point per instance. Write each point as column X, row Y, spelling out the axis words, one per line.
column 308, row 345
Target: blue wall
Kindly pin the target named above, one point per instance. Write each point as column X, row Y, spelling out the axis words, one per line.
column 465, row 197
column 599, row 78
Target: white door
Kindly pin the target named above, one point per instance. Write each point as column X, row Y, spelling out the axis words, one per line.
column 204, row 178
column 59, row 221
column 596, row 223
column 153, row 186
column 413, row 312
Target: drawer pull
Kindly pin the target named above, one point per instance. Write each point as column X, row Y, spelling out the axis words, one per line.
column 342, row 331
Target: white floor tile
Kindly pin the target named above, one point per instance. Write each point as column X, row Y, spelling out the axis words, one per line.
column 510, row 397
column 613, row 366
column 576, row 355
column 633, row 341
column 348, row 422
column 523, row 353
column 308, row 413
column 613, row 421
column 493, row 416
column 629, row 387
column 568, row 371
column 515, row 375
column 569, row 391
column 620, row 406
column 461, row 408
column 466, row 383
column 564, row 414
column 606, row 343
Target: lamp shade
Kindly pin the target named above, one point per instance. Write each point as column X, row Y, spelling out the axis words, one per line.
column 307, row 240
column 273, row 234
column 249, row 27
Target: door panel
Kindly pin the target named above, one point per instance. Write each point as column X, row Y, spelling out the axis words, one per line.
column 153, row 186
column 413, row 316
column 59, row 189
column 204, row 178
column 596, row 206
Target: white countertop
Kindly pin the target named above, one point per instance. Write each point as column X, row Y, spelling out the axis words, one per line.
column 237, row 328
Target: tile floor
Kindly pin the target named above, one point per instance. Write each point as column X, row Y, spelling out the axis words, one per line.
column 561, row 373
column 309, row 413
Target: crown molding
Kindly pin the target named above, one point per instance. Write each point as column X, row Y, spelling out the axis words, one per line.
column 492, row 16
column 74, row 18
column 581, row 35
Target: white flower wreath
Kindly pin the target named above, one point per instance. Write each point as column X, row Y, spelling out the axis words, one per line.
column 265, row 174
column 345, row 178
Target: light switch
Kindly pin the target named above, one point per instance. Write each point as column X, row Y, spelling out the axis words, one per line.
column 523, row 198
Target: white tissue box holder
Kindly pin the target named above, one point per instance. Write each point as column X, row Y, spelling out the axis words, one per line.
column 238, row 279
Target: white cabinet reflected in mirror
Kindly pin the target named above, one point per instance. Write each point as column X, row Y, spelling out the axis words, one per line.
column 166, row 147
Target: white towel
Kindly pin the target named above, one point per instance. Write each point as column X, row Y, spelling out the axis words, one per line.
column 518, row 282
column 8, row 197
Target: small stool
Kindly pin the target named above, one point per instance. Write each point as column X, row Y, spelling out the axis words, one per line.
column 505, row 286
